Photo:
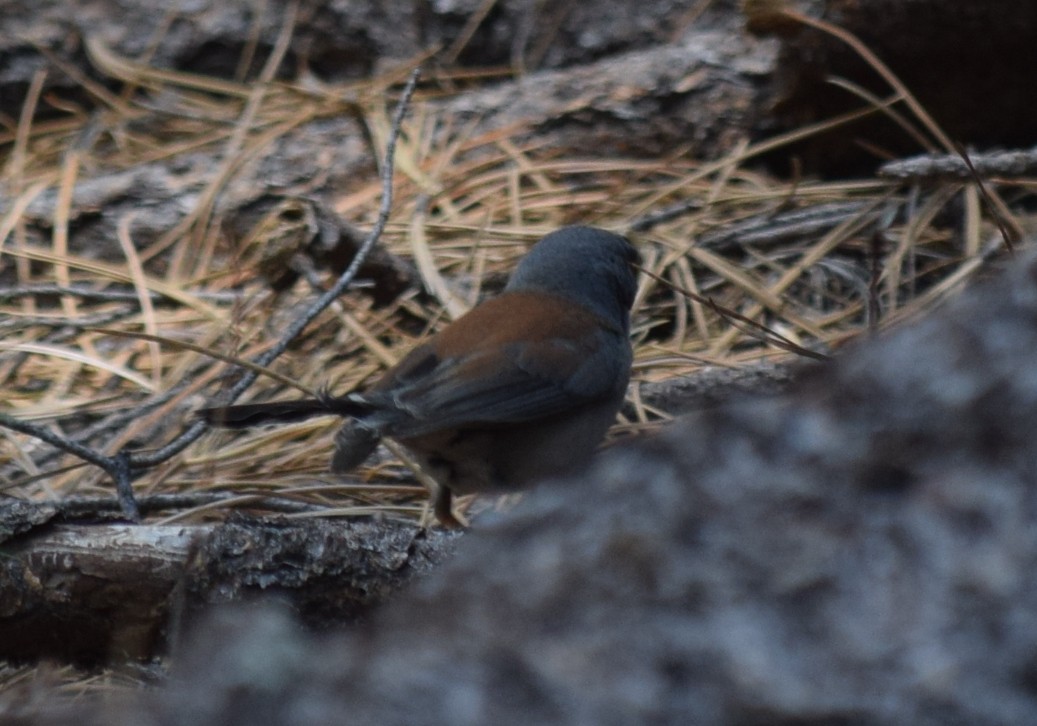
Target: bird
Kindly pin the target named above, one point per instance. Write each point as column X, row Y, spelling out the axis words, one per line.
column 522, row 387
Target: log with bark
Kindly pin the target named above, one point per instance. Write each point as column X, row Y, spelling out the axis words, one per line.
column 111, row 592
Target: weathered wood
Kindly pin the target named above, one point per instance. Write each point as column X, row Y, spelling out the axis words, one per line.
column 94, row 593
column 713, row 385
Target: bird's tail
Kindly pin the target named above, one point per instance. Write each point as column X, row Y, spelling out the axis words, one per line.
column 254, row 414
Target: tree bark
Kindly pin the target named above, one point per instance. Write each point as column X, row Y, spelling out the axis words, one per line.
column 111, row 592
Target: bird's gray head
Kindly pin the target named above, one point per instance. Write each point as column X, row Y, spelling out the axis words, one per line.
column 589, row 266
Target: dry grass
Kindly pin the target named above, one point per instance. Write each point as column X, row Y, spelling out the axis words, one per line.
column 869, row 253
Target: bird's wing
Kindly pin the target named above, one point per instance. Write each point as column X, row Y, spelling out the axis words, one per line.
column 508, row 377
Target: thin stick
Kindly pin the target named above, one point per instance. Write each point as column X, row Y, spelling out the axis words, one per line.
column 124, row 466
column 343, row 282
column 750, row 326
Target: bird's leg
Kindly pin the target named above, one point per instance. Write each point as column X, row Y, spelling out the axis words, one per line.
column 444, row 509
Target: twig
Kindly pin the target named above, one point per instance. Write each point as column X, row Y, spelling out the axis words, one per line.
column 647, row 221
column 118, row 420
column 940, row 167
column 346, row 277
column 254, row 368
column 195, row 430
column 876, row 250
column 64, row 324
column 746, row 324
column 1009, row 237
column 124, row 466
column 117, row 467
column 77, row 507
column 15, row 292
column 771, row 229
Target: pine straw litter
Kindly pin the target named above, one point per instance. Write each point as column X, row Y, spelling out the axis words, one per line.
column 802, row 263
